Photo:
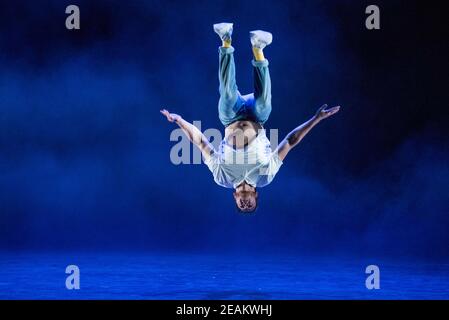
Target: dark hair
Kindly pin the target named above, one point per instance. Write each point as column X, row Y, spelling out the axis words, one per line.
column 247, row 212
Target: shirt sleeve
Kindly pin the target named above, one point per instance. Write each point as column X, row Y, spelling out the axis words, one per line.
column 212, row 162
column 274, row 164
column 268, row 171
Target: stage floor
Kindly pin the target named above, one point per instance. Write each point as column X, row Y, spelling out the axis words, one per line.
column 196, row 276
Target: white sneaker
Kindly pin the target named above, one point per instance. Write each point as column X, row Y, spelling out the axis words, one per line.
column 260, row 39
column 224, row 30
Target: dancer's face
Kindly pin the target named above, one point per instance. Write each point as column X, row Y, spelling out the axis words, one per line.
column 246, row 201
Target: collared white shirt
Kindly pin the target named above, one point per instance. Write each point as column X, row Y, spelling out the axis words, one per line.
column 256, row 164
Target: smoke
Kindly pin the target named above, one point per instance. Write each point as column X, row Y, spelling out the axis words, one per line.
column 85, row 155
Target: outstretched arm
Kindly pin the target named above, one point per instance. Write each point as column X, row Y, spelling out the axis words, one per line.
column 192, row 132
column 294, row 137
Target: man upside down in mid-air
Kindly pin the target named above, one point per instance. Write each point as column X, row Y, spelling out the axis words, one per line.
column 244, row 160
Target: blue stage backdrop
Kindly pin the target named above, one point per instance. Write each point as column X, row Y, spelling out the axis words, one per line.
column 85, row 155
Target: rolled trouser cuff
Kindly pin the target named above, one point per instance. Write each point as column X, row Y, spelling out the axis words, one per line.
column 263, row 63
column 226, row 50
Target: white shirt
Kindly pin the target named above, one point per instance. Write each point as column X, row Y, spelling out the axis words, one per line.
column 256, row 164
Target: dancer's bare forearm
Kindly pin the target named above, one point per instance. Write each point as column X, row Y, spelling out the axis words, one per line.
column 192, row 132
column 297, row 134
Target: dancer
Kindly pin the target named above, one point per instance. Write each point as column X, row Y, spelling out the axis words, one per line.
column 244, row 160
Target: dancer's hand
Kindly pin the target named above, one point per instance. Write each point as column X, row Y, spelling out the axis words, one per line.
column 171, row 117
column 325, row 112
